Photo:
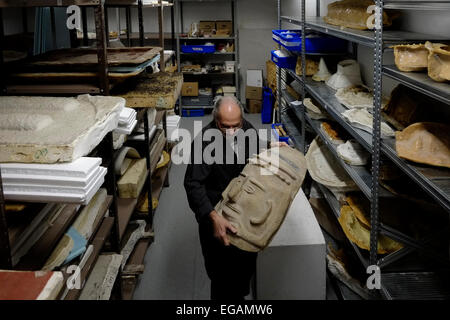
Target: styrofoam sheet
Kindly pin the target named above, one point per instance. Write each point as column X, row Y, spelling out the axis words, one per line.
column 126, row 130
column 55, row 129
column 126, row 114
column 49, row 180
column 80, row 168
column 140, row 137
column 48, row 187
column 54, row 195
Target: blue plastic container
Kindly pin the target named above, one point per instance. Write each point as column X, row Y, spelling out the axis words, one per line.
column 281, row 139
column 210, row 48
column 267, row 105
column 193, row 112
column 284, row 62
column 314, row 43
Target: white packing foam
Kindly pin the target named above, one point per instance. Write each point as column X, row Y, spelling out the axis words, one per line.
column 140, row 137
column 62, row 181
column 126, row 115
column 80, row 168
column 48, row 194
column 126, row 130
column 49, row 187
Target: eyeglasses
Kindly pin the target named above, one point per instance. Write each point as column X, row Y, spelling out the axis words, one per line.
column 225, row 127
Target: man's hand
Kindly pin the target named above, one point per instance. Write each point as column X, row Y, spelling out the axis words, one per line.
column 221, row 225
column 278, row 144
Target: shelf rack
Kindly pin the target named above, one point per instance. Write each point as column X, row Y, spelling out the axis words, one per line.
column 114, row 226
column 436, row 182
column 100, row 27
column 140, row 6
column 179, row 4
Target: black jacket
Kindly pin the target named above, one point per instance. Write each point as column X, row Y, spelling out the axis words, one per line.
column 204, row 183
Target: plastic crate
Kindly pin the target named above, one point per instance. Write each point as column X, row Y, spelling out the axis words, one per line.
column 275, row 132
column 197, row 101
column 314, row 43
column 206, row 48
column 284, row 62
column 193, row 112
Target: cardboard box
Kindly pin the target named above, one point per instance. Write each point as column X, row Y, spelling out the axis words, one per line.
column 254, row 106
column 224, row 28
column 254, row 78
column 189, row 89
column 271, row 68
column 224, row 25
column 207, row 26
column 253, row 93
column 229, row 66
column 229, row 91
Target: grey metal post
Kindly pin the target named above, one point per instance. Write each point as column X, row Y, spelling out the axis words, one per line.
column 179, row 31
column 302, row 107
column 5, row 249
column 278, row 68
column 161, row 35
column 101, row 48
column 85, row 26
column 235, row 33
column 141, row 23
column 378, row 61
column 128, row 21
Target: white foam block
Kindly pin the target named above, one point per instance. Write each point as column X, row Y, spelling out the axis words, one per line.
column 128, row 129
column 49, row 180
column 27, row 193
column 81, row 168
column 126, row 114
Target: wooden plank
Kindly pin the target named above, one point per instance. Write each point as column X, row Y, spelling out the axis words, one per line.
column 47, row 3
column 125, row 209
column 159, row 116
column 138, row 255
column 158, row 181
column 52, row 89
column 98, row 242
column 105, row 206
column 160, row 90
column 38, row 254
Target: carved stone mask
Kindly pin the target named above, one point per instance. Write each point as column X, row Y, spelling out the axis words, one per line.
column 257, row 201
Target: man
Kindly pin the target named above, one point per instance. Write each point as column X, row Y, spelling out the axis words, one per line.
column 229, row 268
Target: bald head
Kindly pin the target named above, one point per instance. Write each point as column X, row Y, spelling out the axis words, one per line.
column 227, row 107
column 228, row 112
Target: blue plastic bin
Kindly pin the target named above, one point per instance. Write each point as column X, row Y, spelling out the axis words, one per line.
column 284, row 62
column 267, row 105
column 193, row 112
column 210, row 48
column 281, row 139
column 314, row 43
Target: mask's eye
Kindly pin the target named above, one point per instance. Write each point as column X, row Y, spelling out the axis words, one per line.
column 249, row 189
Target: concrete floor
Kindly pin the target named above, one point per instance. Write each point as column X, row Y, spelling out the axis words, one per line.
column 174, row 267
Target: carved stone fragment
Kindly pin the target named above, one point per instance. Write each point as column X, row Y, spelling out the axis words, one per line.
column 257, row 201
column 411, row 57
column 438, row 61
column 353, row 14
column 425, row 142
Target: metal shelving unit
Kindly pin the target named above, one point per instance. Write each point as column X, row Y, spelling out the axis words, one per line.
column 435, row 181
column 179, row 4
column 120, row 210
